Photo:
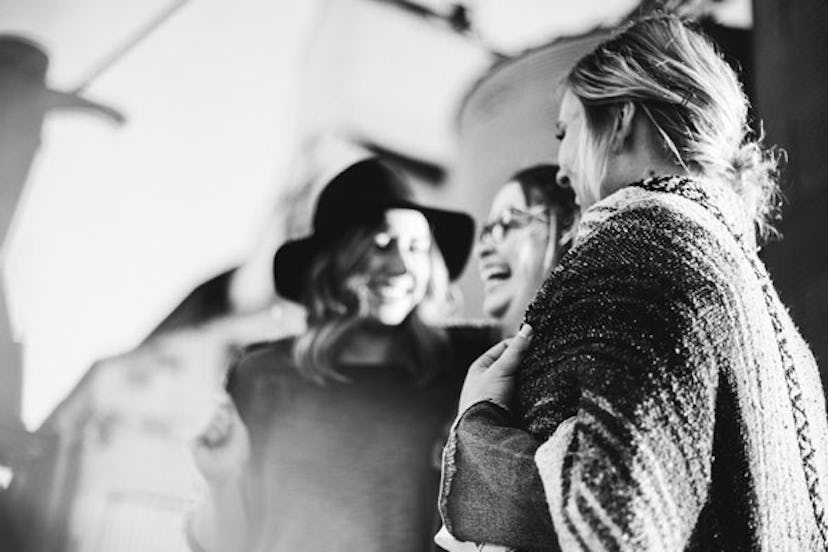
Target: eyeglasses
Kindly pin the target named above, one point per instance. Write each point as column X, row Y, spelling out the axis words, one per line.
column 512, row 219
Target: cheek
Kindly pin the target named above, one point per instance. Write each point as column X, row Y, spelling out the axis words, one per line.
column 567, row 154
column 357, row 282
column 509, row 251
column 420, row 269
column 530, row 257
column 525, row 254
column 369, row 266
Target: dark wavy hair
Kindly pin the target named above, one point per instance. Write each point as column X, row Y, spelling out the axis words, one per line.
column 336, row 311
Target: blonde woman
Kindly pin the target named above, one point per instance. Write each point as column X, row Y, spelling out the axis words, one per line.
column 665, row 400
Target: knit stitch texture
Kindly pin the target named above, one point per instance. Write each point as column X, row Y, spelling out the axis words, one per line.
column 679, row 407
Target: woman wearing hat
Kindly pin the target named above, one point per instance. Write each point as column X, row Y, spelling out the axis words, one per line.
column 328, row 443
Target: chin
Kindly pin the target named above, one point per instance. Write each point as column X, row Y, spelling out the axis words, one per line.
column 495, row 309
column 393, row 315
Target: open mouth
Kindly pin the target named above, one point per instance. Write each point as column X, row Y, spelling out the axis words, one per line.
column 495, row 273
column 392, row 290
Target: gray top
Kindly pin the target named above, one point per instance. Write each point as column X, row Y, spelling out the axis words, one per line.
column 346, row 466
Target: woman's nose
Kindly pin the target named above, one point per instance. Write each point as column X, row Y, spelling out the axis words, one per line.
column 484, row 246
column 393, row 262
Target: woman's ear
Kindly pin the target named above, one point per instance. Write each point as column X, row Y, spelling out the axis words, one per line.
column 623, row 126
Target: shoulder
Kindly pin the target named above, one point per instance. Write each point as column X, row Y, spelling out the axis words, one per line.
column 471, row 332
column 259, row 359
column 650, row 254
column 469, row 339
column 679, row 211
column 669, row 239
column 633, row 209
column 264, row 351
column 257, row 368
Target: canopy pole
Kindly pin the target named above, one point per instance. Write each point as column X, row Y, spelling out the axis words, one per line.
column 129, row 44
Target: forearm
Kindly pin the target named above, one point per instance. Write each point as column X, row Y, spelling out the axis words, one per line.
column 491, row 490
column 220, row 523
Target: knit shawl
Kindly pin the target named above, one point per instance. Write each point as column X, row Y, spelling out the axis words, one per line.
column 678, row 405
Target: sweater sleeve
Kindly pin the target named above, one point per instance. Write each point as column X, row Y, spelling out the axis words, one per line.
column 491, row 491
column 620, row 383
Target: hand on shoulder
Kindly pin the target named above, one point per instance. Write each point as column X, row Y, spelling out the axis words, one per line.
column 222, row 450
column 491, row 376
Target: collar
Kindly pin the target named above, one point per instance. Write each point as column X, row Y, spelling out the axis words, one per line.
column 716, row 197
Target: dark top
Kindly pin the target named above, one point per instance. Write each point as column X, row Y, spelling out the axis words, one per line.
column 346, row 466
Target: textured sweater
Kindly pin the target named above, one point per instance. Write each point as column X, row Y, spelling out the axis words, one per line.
column 677, row 404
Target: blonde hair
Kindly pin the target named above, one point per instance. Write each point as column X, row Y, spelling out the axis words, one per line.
column 336, row 309
column 692, row 97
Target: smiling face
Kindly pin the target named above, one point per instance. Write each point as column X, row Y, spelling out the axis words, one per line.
column 512, row 268
column 580, row 167
column 397, row 270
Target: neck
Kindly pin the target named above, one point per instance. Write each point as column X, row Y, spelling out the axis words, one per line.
column 510, row 323
column 370, row 343
column 642, row 156
column 663, row 168
column 645, row 171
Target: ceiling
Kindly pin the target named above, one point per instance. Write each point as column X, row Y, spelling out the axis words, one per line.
column 119, row 223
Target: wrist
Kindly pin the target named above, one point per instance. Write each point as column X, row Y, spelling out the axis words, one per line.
column 463, row 408
column 484, row 405
column 500, row 403
column 190, row 535
column 218, row 523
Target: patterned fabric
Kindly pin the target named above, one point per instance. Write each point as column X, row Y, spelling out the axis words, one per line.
column 680, row 407
column 691, row 190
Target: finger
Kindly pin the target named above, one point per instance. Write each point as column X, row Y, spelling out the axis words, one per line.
column 489, row 357
column 219, row 428
column 221, row 399
column 508, row 362
column 211, row 438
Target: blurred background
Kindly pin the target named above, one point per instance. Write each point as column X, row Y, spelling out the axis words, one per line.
column 149, row 172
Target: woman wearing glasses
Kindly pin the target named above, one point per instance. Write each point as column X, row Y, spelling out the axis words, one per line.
column 527, row 232
column 531, row 224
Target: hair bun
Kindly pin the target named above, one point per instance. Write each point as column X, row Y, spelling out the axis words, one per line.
column 754, row 172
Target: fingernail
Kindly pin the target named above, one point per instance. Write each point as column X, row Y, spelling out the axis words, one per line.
column 525, row 331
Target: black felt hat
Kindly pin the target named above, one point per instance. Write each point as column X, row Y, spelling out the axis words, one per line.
column 362, row 192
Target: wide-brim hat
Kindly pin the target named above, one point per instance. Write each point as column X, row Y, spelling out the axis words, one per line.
column 362, row 193
column 23, row 67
